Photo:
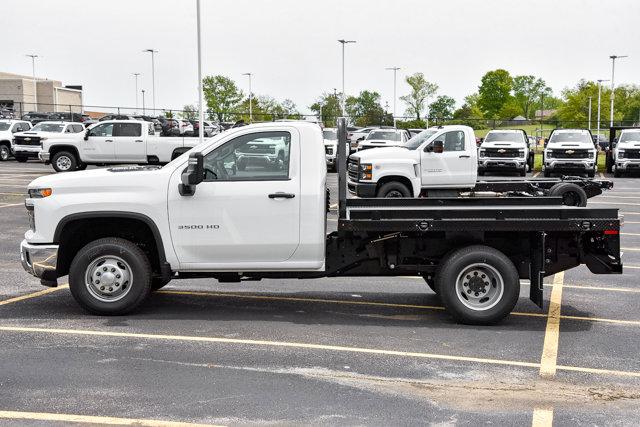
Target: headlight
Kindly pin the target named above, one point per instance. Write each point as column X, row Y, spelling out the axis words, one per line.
column 548, row 154
column 483, row 153
column 42, row 138
column 521, row 153
column 39, row 193
column 365, row 171
column 591, row 154
column 621, row 154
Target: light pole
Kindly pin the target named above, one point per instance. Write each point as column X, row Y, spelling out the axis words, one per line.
column 250, row 97
column 343, row 42
column 200, row 91
column 153, row 77
column 599, row 98
column 143, row 112
column 590, row 114
column 613, row 70
column 35, row 86
column 136, row 76
column 394, row 69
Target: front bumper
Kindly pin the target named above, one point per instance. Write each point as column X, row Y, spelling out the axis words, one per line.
column 39, row 260
column 628, row 164
column 501, row 164
column 330, row 159
column 569, row 164
column 44, row 156
column 362, row 189
column 26, row 151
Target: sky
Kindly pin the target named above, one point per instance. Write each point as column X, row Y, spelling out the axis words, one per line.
column 291, row 48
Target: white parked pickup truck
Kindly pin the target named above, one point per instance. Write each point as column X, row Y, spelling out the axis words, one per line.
column 120, row 233
column 8, row 128
column 28, row 145
column 442, row 161
column 570, row 150
column 626, row 152
column 505, row 151
column 384, row 138
column 113, row 142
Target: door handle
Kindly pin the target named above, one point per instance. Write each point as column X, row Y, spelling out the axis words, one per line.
column 281, row 196
column 138, row 140
column 464, row 156
column 108, row 140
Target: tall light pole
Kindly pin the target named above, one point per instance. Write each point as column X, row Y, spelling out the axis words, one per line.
column 590, row 113
column 35, row 86
column 143, row 112
column 394, row 69
column 613, row 70
column 136, row 76
column 153, row 77
column 599, row 98
column 250, row 97
column 343, row 42
column 200, row 91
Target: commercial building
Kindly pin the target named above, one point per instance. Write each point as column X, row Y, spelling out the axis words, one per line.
column 22, row 94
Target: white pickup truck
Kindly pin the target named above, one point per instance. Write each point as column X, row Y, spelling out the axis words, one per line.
column 626, row 152
column 7, row 130
column 120, row 233
column 570, row 150
column 442, row 162
column 28, row 145
column 113, row 142
column 505, row 150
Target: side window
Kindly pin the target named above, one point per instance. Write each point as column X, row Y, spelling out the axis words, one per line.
column 454, row 141
column 127, row 129
column 105, row 129
column 252, row 157
column 69, row 129
column 77, row 128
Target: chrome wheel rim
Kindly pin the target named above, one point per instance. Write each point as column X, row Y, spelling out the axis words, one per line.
column 63, row 163
column 479, row 287
column 4, row 153
column 108, row 278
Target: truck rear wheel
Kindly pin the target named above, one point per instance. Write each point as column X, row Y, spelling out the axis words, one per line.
column 110, row 276
column 393, row 189
column 64, row 161
column 572, row 195
column 478, row 285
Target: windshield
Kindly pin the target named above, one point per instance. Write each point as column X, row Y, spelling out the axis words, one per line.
column 505, row 137
column 417, row 140
column 385, row 135
column 630, row 136
column 570, row 137
column 330, row 134
column 5, row 126
column 47, row 127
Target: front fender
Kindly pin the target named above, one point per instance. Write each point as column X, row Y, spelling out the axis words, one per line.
column 407, row 169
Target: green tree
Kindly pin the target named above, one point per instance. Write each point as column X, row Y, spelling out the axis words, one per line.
column 494, row 92
column 328, row 107
column 421, row 91
column 469, row 113
column 189, row 112
column 575, row 106
column 442, row 107
column 527, row 90
column 222, row 96
column 365, row 109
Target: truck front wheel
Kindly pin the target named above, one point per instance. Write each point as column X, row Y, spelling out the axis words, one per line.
column 478, row 285
column 5, row 152
column 393, row 189
column 110, row 276
column 64, row 161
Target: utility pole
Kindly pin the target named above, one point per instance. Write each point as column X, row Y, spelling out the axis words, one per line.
column 394, row 69
column 590, row 114
column 200, row 103
column 344, row 42
column 599, row 98
column 136, row 76
column 153, row 77
column 613, row 70
column 250, row 97
column 35, row 85
column 143, row 112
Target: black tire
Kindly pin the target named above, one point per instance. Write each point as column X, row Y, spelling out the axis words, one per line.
column 82, row 166
column 523, row 172
column 5, row 152
column 609, row 162
column 64, row 161
column 617, row 173
column 140, row 271
column 572, row 195
column 546, row 173
column 591, row 173
column 393, row 189
column 461, row 260
column 21, row 159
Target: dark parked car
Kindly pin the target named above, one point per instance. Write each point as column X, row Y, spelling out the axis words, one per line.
column 116, row 117
column 35, row 118
column 169, row 127
column 67, row 117
column 157, row 124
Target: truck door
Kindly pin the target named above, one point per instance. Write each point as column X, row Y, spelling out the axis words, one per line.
column 99, row 144
column 453, row 167
column 129, row 142
column 246, row 212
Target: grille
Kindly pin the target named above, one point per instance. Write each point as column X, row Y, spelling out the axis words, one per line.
column 571, row 154
column 27, row 140
column 501, row 152
column 632, row 154
column 352, row 169
column 328, row 150
column 257, row 149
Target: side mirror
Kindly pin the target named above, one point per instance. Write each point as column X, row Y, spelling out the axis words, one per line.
column 193, row 175
column 86, row 135
column 438, row 146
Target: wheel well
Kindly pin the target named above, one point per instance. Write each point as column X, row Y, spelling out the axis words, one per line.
column 394, row 178
column 74, row 234
column 57, row 148
column 5, row 142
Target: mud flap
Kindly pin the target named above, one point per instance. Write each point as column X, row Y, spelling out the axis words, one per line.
column 536, row 268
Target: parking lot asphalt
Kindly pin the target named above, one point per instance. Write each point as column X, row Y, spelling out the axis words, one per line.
column 328, row 351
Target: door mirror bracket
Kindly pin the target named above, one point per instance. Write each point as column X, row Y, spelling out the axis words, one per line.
column 435, row 147
column 193, row 175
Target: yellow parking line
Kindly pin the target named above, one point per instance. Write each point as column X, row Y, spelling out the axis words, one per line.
column 33, row 295
column 633, row 267
column 614, row 203
column 598, row 371
column 13, row 204
column 630, row 234
column 630, row 249
column 600, row 319
column 601, row 175
column 13, row 194
column 552, row 332
column 535, row 174
column 603, row 288
column 610, row 196
column 542, row 418
column 632, row 222
column 91, row 419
